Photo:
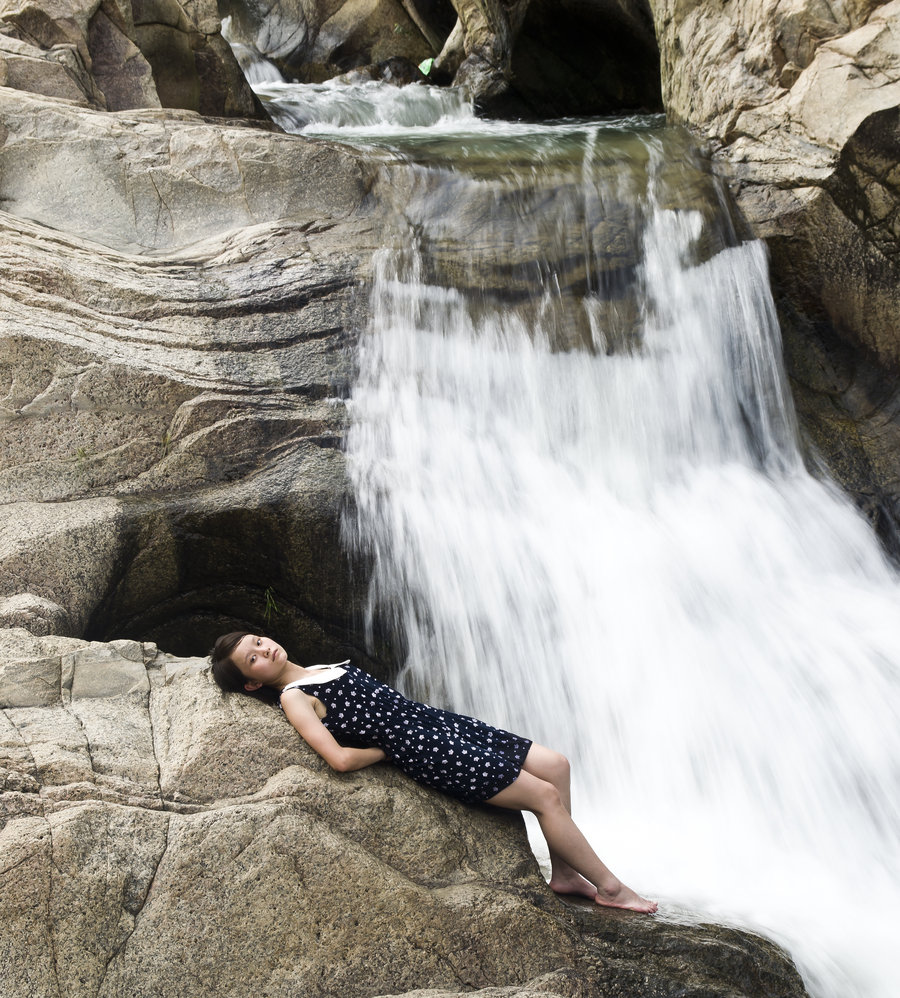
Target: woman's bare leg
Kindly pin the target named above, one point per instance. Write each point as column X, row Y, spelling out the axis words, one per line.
column 529, row 793
column 553, row 767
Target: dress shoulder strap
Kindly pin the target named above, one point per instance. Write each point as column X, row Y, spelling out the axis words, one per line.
column 337, row 668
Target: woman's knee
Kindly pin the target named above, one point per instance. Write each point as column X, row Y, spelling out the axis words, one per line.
column 561, row 766
column 545, row 797
column 547, row 763
column 556, row 768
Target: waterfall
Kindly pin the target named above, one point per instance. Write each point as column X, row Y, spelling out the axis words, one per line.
column 580, row 488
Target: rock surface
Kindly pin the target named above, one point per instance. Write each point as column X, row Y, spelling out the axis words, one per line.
column 312, row 42
column 177, row 298
column 120, row 55
column 161, row 838
column 800, row 103
column 175, row 311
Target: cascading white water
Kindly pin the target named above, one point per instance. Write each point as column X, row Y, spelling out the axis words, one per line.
column 258, row 70
column 617, row 549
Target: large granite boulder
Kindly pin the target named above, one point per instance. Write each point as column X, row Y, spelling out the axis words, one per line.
column 161, row 838
column 119, row 54
column 800, row 104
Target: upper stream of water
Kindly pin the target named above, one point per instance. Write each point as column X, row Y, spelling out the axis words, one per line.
column 579, row 480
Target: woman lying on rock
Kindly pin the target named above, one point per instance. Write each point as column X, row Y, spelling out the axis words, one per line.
column 459, row 755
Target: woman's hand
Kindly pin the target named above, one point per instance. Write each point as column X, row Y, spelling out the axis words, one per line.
column 298, row 708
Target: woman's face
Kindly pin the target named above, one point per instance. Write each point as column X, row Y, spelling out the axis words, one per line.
column 260, row 659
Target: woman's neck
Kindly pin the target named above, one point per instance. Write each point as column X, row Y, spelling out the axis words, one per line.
column 289, row 674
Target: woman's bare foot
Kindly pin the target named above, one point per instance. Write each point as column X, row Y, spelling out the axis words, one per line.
column 617, row 895
column 573, row 883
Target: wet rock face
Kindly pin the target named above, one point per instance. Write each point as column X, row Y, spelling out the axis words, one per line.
column 517, row 58
column 162, row 838
column 800, row 104
column 176, row 332
column 312, row 42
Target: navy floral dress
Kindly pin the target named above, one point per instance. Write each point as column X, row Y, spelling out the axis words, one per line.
column 459, row 755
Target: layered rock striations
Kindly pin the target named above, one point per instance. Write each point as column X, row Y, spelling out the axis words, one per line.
column 176, row 294
column 800, row 104
column 176, row 302
column 161, row 838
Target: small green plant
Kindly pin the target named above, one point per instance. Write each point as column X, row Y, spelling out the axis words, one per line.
column 80, row 454
column 271, row 609
column 165, row 443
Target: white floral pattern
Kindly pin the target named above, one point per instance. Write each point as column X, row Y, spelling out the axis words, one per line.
column 459, row 755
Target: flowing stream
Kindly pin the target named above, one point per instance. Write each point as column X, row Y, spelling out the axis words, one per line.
column 579, row 481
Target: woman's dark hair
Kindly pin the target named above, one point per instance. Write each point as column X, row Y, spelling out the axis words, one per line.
column 224, row 671
column 227, row 675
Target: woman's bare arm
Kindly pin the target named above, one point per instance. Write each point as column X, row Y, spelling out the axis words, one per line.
column 298, row 708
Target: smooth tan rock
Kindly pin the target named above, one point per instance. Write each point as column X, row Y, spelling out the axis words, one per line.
column 119, row 68
column 31, row 668
column 54, row 73
column 117, row 670
column 314, row 908
column 192, row 722
column 139, row 184
column 26, row 939
column 29, row 684
column 20, row 771
column 56, row 744
column 63, row 553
